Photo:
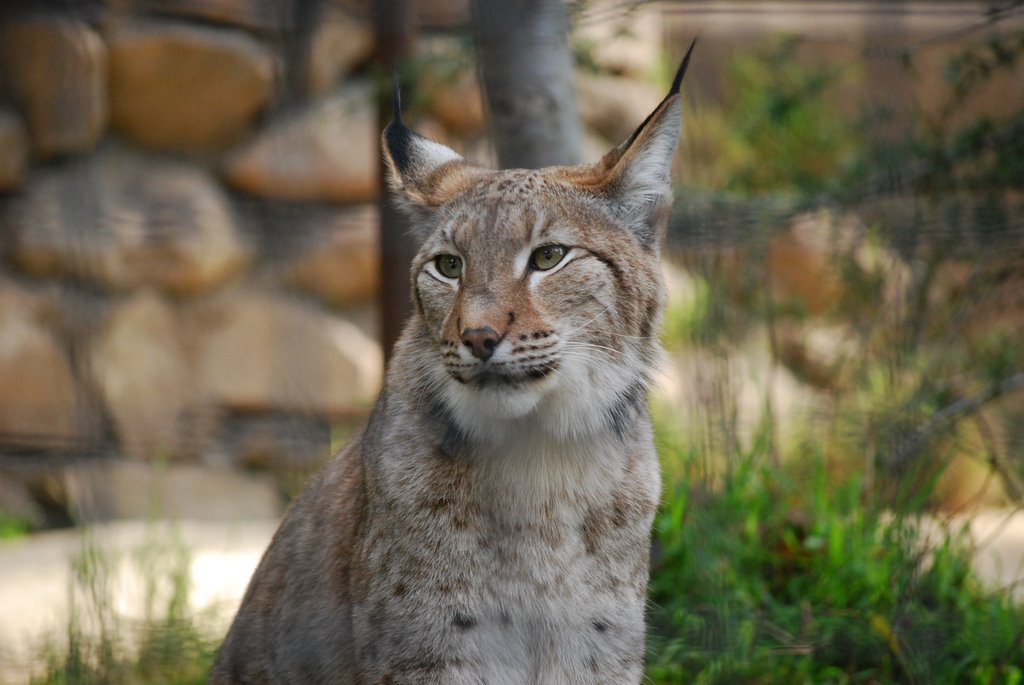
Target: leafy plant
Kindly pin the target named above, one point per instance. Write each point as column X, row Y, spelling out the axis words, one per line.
column 769, row 575
column 781, row 132
column 982, row 152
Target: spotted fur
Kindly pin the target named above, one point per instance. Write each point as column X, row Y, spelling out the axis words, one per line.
column 491, row 524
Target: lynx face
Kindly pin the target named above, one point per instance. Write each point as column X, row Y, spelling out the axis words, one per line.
column 539, row 291
column 537, row 300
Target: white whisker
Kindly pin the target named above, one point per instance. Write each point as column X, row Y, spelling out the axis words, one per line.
column 578, row 344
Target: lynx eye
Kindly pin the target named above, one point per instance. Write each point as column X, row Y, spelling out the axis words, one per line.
column 547, row 257
column 449, row 265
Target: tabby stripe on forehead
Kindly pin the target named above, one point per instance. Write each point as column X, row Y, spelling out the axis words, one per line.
column 446, row 232
column 540, row 226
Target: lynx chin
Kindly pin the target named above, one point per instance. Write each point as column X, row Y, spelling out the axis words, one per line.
column 492, row 521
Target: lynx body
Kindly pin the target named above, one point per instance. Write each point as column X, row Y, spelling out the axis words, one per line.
column 491, row 524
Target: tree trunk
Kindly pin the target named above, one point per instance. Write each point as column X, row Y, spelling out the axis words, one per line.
column 527, row 73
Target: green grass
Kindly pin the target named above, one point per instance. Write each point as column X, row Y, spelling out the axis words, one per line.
column 12, row 526
column 785, row 576
column 170, row 645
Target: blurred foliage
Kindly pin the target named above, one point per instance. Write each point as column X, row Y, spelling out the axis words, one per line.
column 804, row 560
column 786, row 137
column 781, row 134
column 983, row 152
column 785, row 133
column 911, row 245
column 787, row 576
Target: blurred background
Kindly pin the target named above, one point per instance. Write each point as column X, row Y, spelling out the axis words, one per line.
column 200, row 281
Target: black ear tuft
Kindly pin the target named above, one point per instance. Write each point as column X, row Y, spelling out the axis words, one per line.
column 398, row 141
column 677, row 82
column 681, row 72
column 396, row 97
column 413, row 162
column 397, row 137
column 635, row 176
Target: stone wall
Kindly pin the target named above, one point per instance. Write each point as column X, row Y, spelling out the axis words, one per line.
column 189, row 259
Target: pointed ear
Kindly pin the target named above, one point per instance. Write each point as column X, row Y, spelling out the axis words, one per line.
column 635, row 177
column 424, row 174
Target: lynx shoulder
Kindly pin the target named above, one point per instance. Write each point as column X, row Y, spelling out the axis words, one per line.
column 491, row 523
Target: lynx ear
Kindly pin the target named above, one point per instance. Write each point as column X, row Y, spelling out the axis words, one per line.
column 424, row 173
column 635, row 177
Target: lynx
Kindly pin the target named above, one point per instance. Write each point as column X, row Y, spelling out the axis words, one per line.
column 491, row 523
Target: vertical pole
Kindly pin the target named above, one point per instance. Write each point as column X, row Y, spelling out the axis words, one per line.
column 394, row 32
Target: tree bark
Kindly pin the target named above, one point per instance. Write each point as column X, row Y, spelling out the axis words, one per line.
column 526, row 69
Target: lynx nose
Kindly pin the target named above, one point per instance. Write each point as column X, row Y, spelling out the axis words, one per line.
column 481, row 341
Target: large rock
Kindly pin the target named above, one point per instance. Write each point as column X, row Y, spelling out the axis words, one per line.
column 339, row 43
column 333, row 254
column 13, row 151
column 183, row 87
column 443, row 14
column 56, row 71
column 260, row 352
column 815, row 262
column 802, row 264
column 457, row 103
column 255, row 15
column 111, row 489
column 817, row 353
column 139, row 366
column 39, row 400
column 122, row 221
column 327, row 152
column 448, row 84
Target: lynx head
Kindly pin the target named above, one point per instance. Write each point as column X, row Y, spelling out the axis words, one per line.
column 538, row 293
